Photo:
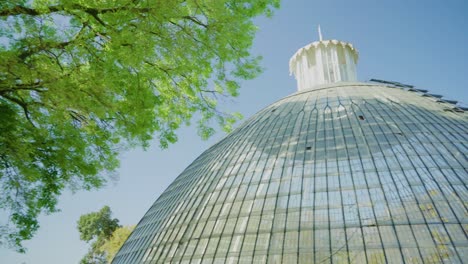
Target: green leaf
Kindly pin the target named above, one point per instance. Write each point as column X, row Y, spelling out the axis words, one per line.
column 82, row 80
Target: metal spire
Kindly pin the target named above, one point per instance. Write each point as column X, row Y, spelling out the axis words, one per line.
column 320, row 33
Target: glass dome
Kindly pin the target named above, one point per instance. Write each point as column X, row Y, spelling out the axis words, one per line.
column 343, row 173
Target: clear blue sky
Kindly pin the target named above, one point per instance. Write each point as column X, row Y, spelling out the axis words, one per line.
column 423, row 43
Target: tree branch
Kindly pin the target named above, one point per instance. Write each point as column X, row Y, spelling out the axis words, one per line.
column 22, row 10
column 52, row 45
column 196, row 21
column 94, row 12
column 23, row 105
column 28, row 87
column 18, row 10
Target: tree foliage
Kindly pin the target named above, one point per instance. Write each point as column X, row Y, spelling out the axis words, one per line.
column 113, row 244
column 81, row 79
column 97, row 228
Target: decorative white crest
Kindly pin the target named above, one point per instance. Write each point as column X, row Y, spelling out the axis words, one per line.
column 323, row 62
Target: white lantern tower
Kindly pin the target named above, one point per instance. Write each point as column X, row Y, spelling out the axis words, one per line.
column 324, row 62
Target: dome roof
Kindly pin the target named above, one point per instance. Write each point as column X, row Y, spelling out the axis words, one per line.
column 343, row 173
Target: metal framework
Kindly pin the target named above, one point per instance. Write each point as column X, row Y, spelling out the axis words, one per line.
column 345, row 173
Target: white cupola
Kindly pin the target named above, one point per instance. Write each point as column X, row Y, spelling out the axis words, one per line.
column 323, row 62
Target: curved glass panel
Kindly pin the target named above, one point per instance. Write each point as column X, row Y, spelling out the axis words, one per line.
column 353, row 173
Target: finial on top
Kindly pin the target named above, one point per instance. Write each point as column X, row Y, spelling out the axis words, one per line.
column 320, row 33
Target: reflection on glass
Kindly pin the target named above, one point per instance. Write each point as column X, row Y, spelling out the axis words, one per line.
column 366, row 174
